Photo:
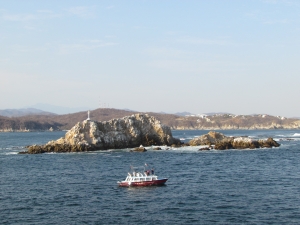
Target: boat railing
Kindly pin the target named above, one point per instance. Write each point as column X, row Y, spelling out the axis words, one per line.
column 140, row 177
column 145, row 173
column 139, row 174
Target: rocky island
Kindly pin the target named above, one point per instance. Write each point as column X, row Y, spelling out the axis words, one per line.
column 222, row 142
column 127, row 132
column 137, row 131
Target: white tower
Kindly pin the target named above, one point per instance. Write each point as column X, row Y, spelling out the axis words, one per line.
column 88, row 115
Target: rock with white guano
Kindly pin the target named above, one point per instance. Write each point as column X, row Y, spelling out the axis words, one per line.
column 127, row 132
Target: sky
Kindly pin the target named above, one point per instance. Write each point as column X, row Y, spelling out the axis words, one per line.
column 201, row 56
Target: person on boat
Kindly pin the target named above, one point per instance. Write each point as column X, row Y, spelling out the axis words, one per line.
column 152, row 171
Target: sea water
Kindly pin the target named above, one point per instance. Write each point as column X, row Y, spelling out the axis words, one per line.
column 259, row 186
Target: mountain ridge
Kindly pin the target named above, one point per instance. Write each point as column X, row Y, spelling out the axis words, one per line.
column 175, row 122
column 60, row 110
column 23, row 112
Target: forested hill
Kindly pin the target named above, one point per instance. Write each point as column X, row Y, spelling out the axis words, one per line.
column 211, row 122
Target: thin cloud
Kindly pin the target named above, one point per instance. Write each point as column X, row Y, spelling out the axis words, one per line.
column 30, row 64
column 201, row 41
column 283, row 21
column 27, row 17
column 96, row 43
column 110, row 7
column 198, row 67
column 22, row 48
column 285, row 2
column 85, row 46
column 82, row 11
column 110, row 36
column 165, row 52
column 19, row 17
column 45, row 11
column 269, row 18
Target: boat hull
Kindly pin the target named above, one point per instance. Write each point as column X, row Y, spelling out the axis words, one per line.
column 143, row 183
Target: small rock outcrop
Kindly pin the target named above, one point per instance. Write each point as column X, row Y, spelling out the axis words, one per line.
column 128, row 132
column 210, row 138
column 204, row 149
column 221, row 142
column 139, row 149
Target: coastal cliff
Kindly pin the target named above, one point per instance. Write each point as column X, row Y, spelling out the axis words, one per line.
column 127, row 132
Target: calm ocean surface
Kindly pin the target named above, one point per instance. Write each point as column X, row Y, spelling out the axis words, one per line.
column 204, row 187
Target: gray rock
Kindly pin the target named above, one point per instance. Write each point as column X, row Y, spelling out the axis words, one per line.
column 207, row 139
column 127, row 132
column 139, row 149
column 221, row 142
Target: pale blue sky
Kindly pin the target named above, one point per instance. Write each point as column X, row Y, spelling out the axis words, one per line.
column 199, row 56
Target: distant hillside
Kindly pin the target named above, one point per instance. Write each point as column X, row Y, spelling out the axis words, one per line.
column 33, row 123
column 57, row 122
column 229, row 121
column 203, row 122
column 23, row 112
column 193, row 114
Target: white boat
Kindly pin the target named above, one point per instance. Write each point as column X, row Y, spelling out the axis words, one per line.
column 146, row 178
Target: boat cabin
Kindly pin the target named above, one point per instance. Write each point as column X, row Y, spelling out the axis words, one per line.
column 136, row 177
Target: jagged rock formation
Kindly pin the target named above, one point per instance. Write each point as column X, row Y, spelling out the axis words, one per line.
column 127, row 132
column 221, row 142
column 207, row 139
